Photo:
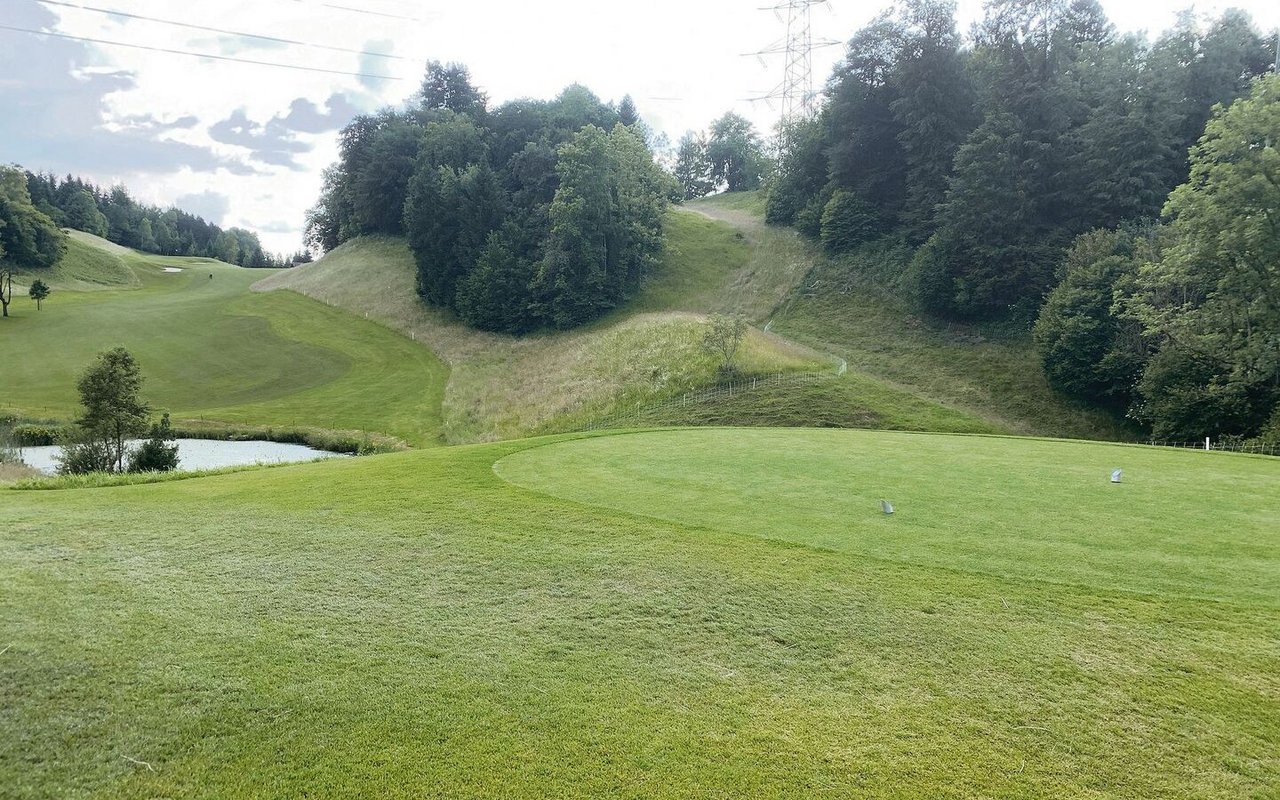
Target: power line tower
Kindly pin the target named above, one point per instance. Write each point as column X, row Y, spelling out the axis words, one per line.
column 795, row 92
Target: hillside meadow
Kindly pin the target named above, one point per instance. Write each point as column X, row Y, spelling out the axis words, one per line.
column 851, row 307
column 645, row 353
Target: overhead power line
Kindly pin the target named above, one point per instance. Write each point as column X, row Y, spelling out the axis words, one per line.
column 223, row 31
column 216, row 57
column 354, row 10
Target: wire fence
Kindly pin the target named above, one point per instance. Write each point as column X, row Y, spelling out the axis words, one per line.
column 631, row 417
column 1253, row 448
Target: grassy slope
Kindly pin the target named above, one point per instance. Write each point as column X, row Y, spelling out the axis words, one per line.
column 504, row 387
column 90, row 264
column 211, row 350
column 997, row 379
column 853, row 400
column 338, row 630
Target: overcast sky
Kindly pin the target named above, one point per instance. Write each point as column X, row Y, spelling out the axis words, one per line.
column 244, row 145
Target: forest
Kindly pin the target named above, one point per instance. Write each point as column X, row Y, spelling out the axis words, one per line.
column 34, row 206
column 1046, row 171
column 532, row 214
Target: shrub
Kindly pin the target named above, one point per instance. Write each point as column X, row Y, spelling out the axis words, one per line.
column 79, row 458
column 722, row 337
column 36, row 435
column 1270, row 433
column 156, row 454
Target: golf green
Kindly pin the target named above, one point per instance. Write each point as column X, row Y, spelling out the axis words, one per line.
column 1188, row 523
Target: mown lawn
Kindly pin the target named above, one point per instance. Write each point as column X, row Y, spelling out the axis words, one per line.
column 698, row 613
column 211, row 350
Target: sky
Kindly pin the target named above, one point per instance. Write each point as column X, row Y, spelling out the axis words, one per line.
column 244, row 145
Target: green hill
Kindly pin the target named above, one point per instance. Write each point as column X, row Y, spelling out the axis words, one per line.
column 682, row 613
column 685, row 612
column 259, row 359
column 90, row 264
column 646, row 353
column 848, row 308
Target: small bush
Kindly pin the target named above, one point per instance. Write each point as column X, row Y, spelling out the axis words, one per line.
column 154, row 455
column 37, row 435
column 158, row 453
column 723, row 337
column 1270, row 433
column 80, row 458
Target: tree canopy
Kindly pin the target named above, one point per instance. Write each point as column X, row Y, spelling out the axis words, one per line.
column 29, row 239
column 729, row 157
column 1212, row 301
column 529, row 214
column 1026, row 167
column 113, row 411
column 999, row 148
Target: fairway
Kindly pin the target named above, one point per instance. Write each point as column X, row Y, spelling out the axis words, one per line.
column 413, row 624
column 211, row 350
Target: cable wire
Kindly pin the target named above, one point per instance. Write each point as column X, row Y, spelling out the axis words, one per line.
column 200, row 55
column 361, row 11
column 208, row 29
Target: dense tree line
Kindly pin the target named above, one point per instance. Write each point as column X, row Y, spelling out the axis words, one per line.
column 114, row 215
column 1032, row 161
column 1180, row 323
column 533, row 213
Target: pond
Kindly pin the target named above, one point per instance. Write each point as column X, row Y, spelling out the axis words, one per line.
column 205, row 454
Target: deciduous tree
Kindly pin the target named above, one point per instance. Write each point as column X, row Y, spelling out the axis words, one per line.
column 1213, row 298
column 723, row 336
column 735, row 153
column 39, row 291
column 113, row 411
column 693, row 166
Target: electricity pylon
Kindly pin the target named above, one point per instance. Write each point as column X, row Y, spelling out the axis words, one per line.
column 795, row 92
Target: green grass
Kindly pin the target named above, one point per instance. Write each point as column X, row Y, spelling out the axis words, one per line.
column 851, row 400
column 701, row 257
column 102, row 480
column 506, row 387
column 854, row 308
column 752, row 203
column 211, row 350
column 699, row 613
column 90, row 264
column 1027, row 509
